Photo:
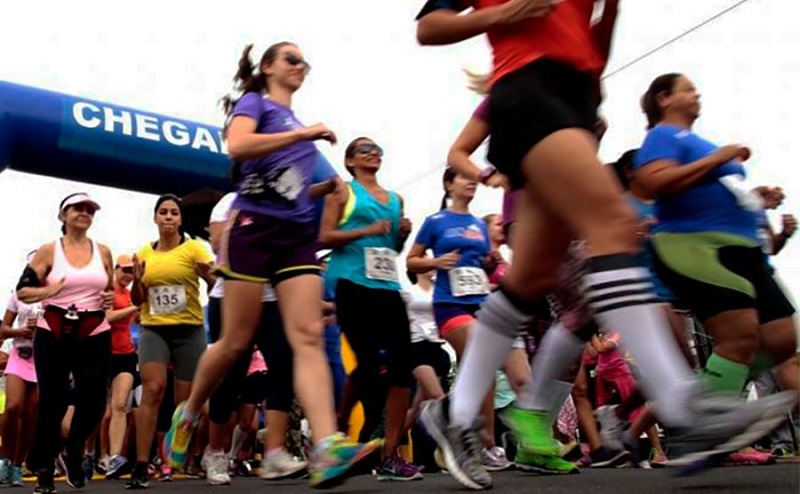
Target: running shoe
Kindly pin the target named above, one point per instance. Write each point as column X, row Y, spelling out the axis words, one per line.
column 281, row 465
column 176, row 441
column 15, row 477
column 334, row 458
column 460, row 446
column 395, row 468
column 494, row 459
column 44, row 482
column 5, row 471
column 140, row 478
column 216, row 467
column 543, row 464
column 604, row 457
column 114, row 466
column 73, row 469
column 611, row 428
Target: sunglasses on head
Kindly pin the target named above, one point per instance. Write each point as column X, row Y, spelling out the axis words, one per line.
column 368, row 149
column 294, row 61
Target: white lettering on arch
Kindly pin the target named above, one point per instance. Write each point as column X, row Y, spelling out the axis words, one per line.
column 79, row 111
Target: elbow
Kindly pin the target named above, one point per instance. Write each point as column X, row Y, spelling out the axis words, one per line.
column 236, row 151
column 328, row 239
column 25, row 296
column 427, row 35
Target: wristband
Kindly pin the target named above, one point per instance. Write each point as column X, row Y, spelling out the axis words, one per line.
column 486, row 174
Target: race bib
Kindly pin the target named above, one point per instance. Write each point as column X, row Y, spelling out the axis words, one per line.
column 381, row 264
column 745, row 197
column 467, row 281
column 167, row 299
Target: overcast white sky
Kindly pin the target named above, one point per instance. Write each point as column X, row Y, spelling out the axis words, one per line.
column 370, row 78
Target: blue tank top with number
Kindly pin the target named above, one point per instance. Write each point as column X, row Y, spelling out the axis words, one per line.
column 368, row 261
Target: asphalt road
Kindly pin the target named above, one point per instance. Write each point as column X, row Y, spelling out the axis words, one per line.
column 772, row 479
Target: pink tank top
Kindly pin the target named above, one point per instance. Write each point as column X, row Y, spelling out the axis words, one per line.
column 82, row 286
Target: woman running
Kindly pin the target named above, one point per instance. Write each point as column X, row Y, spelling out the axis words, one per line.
column 124, row 365
column 166, row 285
column 706, row 242
column 542, row 111
column 22, row 394
column 277, row 385
column 73, row 280
column 271, row 238
column 366, row 229
column 461, row 249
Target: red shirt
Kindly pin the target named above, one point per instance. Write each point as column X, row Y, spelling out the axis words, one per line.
column 564, row 35
column 121, row 340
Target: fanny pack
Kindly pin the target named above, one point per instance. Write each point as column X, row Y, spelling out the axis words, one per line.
column 71, row 323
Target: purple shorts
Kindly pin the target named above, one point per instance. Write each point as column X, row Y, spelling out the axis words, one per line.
column 264, row 249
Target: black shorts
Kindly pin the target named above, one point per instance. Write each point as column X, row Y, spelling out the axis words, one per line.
column 254, row 389
column 530, row 104
column 124, row 363
column 427, row 353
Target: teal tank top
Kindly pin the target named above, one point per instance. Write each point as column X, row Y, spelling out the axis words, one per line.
column 369, row 261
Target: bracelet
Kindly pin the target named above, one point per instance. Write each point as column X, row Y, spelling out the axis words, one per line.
column 486, row 174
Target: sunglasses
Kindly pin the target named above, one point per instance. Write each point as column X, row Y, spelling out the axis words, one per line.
column 126, row 269
column 294, row 61
column 368, row 149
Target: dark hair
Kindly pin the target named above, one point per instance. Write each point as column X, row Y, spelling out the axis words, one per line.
column 622, row 166
column 489, row 217
column 350, row 151
column 196, row 209
column 662, row 84
column 177, row 200
column 412, row 277
column 449, row 175
column 249, row 78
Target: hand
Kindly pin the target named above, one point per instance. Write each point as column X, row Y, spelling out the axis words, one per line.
column 319, row 132
column 772, row 196
column 30, row 325
column 203, row 269
column 789, row 225
column 138, row 268
column 519, row 10
column 380, row 227
column 26, row 333
column 498, row 181
column 108, row 299
column 496, row 256
column 448, row 261
column 733, row 152
column 53, row 290
column 405, row 228
column 478, row 83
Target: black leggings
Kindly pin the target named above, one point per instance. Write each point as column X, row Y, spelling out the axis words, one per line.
column 89, row 362
column 376, row 325
column 273, row 345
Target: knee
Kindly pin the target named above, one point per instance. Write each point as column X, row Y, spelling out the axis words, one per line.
column 14, row 407
column 309, row 336
column 153, row 391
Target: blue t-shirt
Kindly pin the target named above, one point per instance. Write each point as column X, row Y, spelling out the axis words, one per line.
column 447, row 231
column 647, row 211
column 282, row 177
column 333, row 345
column 708, row 206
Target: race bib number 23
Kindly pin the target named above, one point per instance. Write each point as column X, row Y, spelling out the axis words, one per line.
column 381, row 264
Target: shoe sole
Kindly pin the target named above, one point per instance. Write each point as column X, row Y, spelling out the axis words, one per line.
column 694, row 463
column 218, row 482
column 394, row 478
column 429, row 421
column 544, row 471
column 297, row 472
column 620, row 459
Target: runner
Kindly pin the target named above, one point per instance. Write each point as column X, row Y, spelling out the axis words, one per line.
column 73, row 280
column 124, row 365
column 271, row 238
column 22, row 394
column 366, row 229
column 166, row 285
column 706, row 212
column 461, row 248
column 236, row 387
column 542, row 110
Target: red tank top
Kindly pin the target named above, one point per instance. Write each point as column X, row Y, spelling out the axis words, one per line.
column 564, row 35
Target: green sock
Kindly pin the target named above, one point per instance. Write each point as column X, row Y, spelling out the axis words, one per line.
column 724, row 375
column 761, row 364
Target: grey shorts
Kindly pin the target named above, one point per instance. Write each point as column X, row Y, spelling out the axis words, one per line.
column 181, row 345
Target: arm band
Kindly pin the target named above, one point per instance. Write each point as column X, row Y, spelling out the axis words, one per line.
column 29, row 278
